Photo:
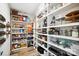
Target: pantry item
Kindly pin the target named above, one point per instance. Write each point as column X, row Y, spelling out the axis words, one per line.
column 40, row 50
column 57, row 5
column 53, row 40
column 66, row 32
column 30, row 43
column 45, row 22
column 27, row 19
column 2, row 18
column 44, row 38
column 40, row 15
column 54, row 31
column 45, row 53
column 74, row 32
column 2, row 40
column 44, row 31
column 65, row 43
column 57, row 51
column 29, row 26
column 73, row 16
column 2, row 33
column 21, row 30
column 8, row 25
column 15, row 18
column 51, row 31
column 14, row 12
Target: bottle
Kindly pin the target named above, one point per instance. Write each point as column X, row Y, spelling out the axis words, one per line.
column 2, row 33
column 44, row 31
column 2, row 25
column 51, row 31
column 21, row 18
column 45, row 22
column 2, row 41
column 53, row 21
column 2, row 18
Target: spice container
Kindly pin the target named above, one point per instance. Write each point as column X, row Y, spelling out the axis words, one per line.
column 52, row 21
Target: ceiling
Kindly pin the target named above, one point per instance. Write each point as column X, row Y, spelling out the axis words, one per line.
column 29, row 8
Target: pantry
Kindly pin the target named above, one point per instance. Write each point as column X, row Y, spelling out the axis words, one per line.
column 40, row 29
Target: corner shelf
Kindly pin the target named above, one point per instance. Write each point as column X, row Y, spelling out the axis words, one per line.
column 65, row 25
column 57, row 12
column 19, row 33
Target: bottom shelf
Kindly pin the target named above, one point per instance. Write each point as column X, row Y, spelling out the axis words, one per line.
column 65, row 49
column 46, row 50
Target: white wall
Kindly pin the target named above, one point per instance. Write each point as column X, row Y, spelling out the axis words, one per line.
column 5, row 11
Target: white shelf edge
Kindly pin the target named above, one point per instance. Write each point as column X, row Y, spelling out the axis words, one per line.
column 42, row 17
column 66, row 37
column 18, row 48
column 65, row 25
column 15, row 43
column 17, row 37
column 20, row 21
column 3, row 29
column 17, row 33
column 60, row 36
column 43, row 27
column 55, row 10
column 41, row 34
column 58, row 9
column 62, row 25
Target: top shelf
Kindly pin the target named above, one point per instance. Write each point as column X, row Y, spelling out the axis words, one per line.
column 61, row 9
column 22, row 22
